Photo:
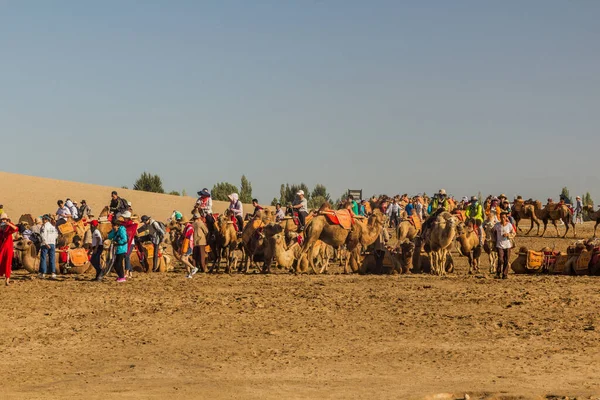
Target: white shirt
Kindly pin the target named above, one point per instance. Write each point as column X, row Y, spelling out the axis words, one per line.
column 63, row 213
column 48, row 234
column 96, row 238
column 501, row 241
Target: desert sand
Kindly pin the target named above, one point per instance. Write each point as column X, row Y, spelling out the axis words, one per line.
column 283, row 336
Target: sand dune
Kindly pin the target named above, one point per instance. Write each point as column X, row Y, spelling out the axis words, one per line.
column 23, row 194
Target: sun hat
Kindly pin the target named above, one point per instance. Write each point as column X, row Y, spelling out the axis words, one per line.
column 578, row 197
column 94, row 223
column 3, row 216
column 183, row 220
column 204, row 193
column 145, row 218
column 129, row 203
column 465, row 199
column 300, row 192
column 502, row 196
column 442, row 191
column 126, row 214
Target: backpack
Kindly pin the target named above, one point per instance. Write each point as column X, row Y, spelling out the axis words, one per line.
column 122, row 206
column 163, row 229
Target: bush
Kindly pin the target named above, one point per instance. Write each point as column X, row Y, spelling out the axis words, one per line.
column 149, row 183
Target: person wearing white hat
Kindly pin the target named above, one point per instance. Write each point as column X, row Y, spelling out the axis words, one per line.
column 131, row 229
column 7, row 229
column 236, row 207
column 300, row 204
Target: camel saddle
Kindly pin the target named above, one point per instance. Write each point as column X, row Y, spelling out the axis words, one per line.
column 65, row 228
column 535, row 260
column 460, row 214
column 344, row 218
column 415, row 221
column 582, row 265
column 78, row 257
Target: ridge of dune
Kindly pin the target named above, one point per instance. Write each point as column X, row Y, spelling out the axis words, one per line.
column 24, row 194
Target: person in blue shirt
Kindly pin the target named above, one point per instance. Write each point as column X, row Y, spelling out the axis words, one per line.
column 118, row 236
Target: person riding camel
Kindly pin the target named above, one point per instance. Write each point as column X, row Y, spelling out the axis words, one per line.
column 204, row 202
column 118, row 205
column 236, row 207
column 257, row 208
column 300, row 204
column 475, row 212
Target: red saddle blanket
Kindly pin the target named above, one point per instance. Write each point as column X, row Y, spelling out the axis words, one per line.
column 344, row 218
column 235, row 224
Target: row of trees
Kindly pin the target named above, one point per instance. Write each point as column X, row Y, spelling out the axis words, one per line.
column 586, row 199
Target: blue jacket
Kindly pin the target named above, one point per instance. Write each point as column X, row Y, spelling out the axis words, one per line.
column 119, row 239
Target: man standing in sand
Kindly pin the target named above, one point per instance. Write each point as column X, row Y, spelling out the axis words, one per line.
column 97, row 248
column 7, row 229
column 49, row 235
column 200, row 233
column 504, row 232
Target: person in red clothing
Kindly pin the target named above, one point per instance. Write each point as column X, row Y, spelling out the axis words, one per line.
column 131, row 229
column 7, row 229
column 187, row 247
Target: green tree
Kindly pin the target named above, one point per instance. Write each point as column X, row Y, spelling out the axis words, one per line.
column 317, row 201
column 282, row 193
column 587, row 199
column 565, row 194
column 149, row 183
column 183, row 193
column 221, row 190
column 174, row 193
column 274, row 201
column 320, row 191
column 124, row 187
column 245, row 190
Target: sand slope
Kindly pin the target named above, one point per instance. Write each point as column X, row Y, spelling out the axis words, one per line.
column 23, row 194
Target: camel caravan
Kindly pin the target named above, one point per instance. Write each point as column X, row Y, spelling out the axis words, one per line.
column 384, row 235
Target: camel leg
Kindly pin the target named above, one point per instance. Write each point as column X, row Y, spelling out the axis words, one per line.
column 443, row 262
column 545, row 227
column 471, row 262
column 531, row 227
column 595, row 226
column 556, row 227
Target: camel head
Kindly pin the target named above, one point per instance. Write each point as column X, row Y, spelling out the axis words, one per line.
column 22, row 245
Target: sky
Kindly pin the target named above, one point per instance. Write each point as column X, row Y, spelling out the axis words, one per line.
column 385, row 96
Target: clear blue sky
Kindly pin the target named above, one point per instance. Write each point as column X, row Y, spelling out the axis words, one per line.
column 388, row 96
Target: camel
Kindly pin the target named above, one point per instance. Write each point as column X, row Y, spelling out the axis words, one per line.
column 406, row 231
column 396, row 261
column 525, row 210
column 226, row 242
column 593, row 215
column 321, row 254
column 554, row 212
column 164, row 261
column 468, row 245
column 489, row 245
column 360, row 234
column 284, row 258
column 440, row 238
column 26, row 255
column 253, row 239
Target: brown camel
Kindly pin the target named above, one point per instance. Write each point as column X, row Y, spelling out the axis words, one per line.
column 26, row 255
column 555, row 212
column 525, row 210
column 226, row 243
column 468, row 245
column 360, row 234
column 284, row 258
column 406, row 231
column 593, row 215
column 440, row 239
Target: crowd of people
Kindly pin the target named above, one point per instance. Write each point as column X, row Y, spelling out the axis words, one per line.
column 195, row 232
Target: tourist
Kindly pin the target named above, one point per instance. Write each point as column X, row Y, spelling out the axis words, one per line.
column 72, row 209
column 157, row 235
column 176, row 216
column 419, row 206
column 279, row 213
column 362, row 208
column 440, row 202
column 300, row 204
column 200, row 234
column 237, row 209
column 131, row 229
column 96, row 249
column 84, row 210
column 578, row 211
column 7, row 229
column 353, row 204
column 118, row 205
column 204, row 202
column 118, row 235
column 62, row 214
column 257, row 207
column 409, row 209
column 475, row 211
column 393, row 213
column 187, row 247
column 49, row 235
column 504, row 233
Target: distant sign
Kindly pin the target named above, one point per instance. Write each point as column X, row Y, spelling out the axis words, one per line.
column 356, row 193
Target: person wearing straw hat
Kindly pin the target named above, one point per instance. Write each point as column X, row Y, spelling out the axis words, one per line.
column 578, row 211
column 49, row 235
column 7, row 229
column 187, row 247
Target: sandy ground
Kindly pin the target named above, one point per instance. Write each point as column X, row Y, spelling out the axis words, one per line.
column 284, row 336
column 22, row 194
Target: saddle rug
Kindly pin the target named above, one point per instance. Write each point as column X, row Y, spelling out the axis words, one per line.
column 78, row 257
column 344, row 218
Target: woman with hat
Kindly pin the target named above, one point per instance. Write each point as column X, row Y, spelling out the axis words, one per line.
column 236, row 207
column 131, row 229
column 7, row 229
column 118, row 236
column 204, row 202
